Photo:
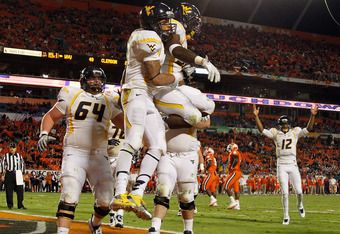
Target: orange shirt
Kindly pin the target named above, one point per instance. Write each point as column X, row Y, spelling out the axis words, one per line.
column 213, row 167
column 313, row 182
column 233, row 155
column 321, row 181
column 48, row 179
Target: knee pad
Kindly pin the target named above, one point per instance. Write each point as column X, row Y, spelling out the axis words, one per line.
column 100, row 211
column 194, row 116
column 163, row 201
column 62, row 207
column 163, row 191
column 210, row 107
column 186, row 197
column 187, row 206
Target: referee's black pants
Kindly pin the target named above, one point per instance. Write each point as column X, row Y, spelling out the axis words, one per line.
column 10, row 185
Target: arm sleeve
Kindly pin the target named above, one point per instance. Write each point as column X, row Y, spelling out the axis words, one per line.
column 61, row 100
column 269, row 133
column 22, row 164
column 150, row 44
column 301, row 132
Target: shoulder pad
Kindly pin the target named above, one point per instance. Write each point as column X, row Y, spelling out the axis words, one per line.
column 149, row 42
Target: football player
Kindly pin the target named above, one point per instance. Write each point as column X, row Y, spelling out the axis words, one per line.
column 183, row 100
column 140, row 81
column 234, row 175
column 285, row 140
column 179, row 165
column 88, row 113
column 210, row 182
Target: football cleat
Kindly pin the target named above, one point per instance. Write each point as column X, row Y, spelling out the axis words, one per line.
column 153, row 230
column 187, row 232
column 302, row 213
column 179, row 213
column 94, row 229
column 119, row 221
column 286, row 221
column 237, row 207
column 121, row 201
column 214, row 203
column 139, row 207
column 232, row 205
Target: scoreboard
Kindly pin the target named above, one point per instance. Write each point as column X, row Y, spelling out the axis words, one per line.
column 63, row 56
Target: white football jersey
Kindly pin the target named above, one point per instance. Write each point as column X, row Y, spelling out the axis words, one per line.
column 285, row 143
column 182, row 140
column 171, row 63
column 88, row 117
column 142, row 46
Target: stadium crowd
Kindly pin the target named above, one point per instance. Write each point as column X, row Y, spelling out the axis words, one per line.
column 105, row 32
column 317, row 155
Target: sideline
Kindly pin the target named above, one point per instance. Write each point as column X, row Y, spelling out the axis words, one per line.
column 11, row 222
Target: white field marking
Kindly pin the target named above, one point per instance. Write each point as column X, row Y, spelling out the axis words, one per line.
column 146, row 229
column 41, row 228
column 323, row 212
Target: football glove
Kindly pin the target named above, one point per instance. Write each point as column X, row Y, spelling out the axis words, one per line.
column 44, row 139
column 188, row 72
column 205, row 118
column 114, row 142
column 214, row 75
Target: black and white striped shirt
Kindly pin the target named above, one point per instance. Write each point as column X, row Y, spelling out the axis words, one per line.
column 12, row 162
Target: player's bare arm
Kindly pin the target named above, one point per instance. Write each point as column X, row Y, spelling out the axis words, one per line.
column 50, row 119
column 203, row 124
column 179, row 51
column 156, row 77
column 200, row 160
column 47, row 123
column 256, row 111
column 118, row 121
column 175, row 48
column 313, row 112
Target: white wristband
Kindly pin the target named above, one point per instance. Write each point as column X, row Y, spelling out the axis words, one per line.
column 43, row 133
column 178, row 77
column 199, row 60
column 172, row 47
column 201, row 166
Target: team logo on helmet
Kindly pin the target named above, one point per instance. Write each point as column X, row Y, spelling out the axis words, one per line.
column 148, row 10
column 190, row 17
column 151, row 17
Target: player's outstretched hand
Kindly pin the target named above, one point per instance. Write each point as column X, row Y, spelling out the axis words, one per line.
column 213, row 74
column 256, row 111
column 314, row 109
column 43, row 141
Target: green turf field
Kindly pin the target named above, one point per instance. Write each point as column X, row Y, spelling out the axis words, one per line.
column 258, row 214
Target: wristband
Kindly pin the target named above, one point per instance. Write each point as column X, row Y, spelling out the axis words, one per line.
column 43, row 133
column 155, row 76
column 199, row 60
column 172, row 47
column 178, row 76
column 201, row 166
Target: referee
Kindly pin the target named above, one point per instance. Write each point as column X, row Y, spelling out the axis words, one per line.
column 13, row 168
